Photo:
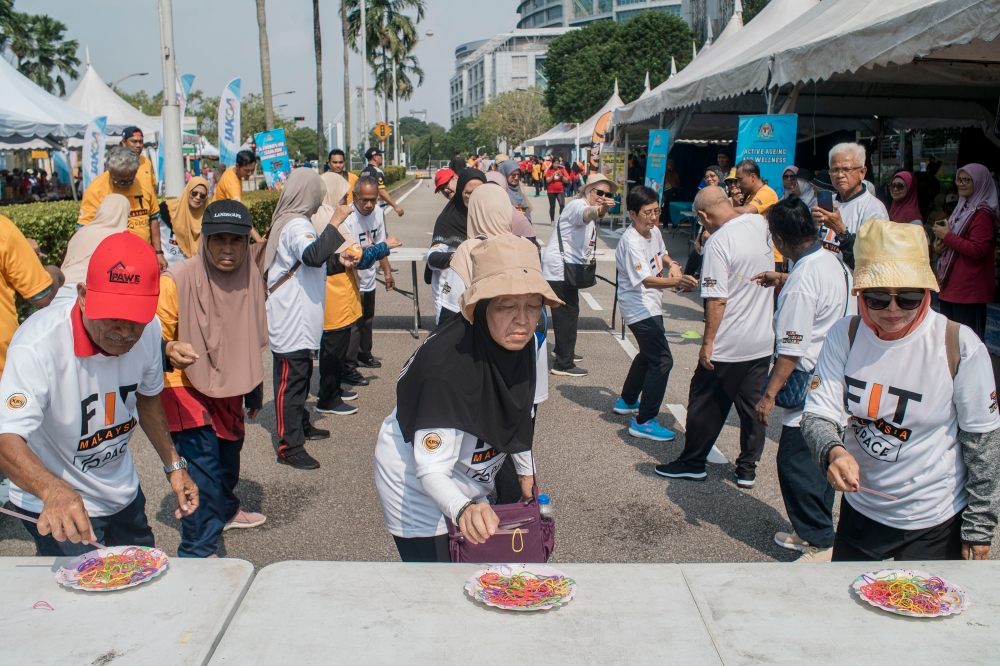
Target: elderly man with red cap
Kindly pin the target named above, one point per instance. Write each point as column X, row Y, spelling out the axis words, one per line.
column 80, row 377
column 445, row 181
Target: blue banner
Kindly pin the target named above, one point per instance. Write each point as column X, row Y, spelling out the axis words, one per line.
column 229, row 123
column 656, row 160
column 770, row 142
column 62, row 167
column 92, row 158
column 272, row 151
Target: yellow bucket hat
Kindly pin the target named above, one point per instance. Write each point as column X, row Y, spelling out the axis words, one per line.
column 890, row 254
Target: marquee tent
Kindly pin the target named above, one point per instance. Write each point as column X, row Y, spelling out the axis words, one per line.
column 95, row 98
column 565, row 134
column 27, row 111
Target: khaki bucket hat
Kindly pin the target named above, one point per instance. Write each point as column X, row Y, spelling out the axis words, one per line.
column 595, row 178
column 890, row 254
column 505, row 266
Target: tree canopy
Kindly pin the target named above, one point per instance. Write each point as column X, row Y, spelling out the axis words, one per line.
column 36, row 47
column 512, row 117
column 582, row 65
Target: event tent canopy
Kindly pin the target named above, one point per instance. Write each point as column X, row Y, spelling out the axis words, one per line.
column 28, row 111
column 95, row 98
column 565, row 134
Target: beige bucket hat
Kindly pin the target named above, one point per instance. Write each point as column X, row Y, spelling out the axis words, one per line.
column 505, row 266
column 595, row 178
column 890, row 254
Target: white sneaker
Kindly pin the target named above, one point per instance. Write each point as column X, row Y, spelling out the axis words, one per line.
column 791, row 541
column 814, row 554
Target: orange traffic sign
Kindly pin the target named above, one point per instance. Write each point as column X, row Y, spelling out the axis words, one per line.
column 382, row 131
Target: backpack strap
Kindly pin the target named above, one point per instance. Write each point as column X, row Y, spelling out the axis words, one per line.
column 951, row 346
column 852, row 329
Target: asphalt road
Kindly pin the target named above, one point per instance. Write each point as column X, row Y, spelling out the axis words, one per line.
column 610, row 506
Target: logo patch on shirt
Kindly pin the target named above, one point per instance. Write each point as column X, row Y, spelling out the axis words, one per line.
column 814, row 384
column 18, row 400
column 791, row 338
column 432, row 442
column 708, row 283
column 993, row 402
column 638, row 266
column 123, row 274
column 309, row 237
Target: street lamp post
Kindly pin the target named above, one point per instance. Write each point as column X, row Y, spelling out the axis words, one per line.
column 173, row 164
column 115, row 84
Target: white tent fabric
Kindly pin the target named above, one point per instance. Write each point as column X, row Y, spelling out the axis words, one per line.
column 565, row 134
column 95, row 98
column 735, row 23
column 26, row 110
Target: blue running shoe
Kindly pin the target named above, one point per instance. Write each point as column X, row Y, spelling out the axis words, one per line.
column 622, row 407
column 651, row 430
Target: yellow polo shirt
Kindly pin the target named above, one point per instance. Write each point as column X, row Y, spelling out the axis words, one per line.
column 343, row 297
column 140, row 195
column 352, row 178
column 229, row 187
column 166, row 312
column 20, row 272
column 763, row 199
column 147, row 171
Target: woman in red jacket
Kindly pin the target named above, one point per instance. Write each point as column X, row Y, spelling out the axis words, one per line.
column 966, row 243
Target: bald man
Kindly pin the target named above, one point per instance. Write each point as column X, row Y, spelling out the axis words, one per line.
column 739, row 338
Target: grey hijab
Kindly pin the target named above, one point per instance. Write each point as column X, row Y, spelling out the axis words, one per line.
column 517, row 197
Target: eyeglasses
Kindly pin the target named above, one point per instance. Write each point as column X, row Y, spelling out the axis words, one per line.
column 897, row 185
column 367, row 201
column 123, row 184
column 880, row 300
column 649, row 214
column 843, row 171
column 963, row 181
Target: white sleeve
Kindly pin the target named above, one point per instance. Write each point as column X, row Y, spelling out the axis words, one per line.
column 435, row 454
column 794, row 322
column 25, row 392
column 152, row 376
column 297, row 236
column 975, row 396
column 827, row 388
column 523, row 463
column 636, row 267
column 714, row 270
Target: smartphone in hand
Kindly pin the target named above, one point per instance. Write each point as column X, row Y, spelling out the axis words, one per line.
column 824, row 199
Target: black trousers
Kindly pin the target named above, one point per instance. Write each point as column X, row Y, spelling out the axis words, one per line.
column 861, row 539
column 332, row 359
column 292, row 374
column 361, row 333
column 972, row 315
column 565, row 319
column 423, row 549
column 808, row 496
column 553, row 198
column 693, row 265
column 650, row 368
column 713, row 393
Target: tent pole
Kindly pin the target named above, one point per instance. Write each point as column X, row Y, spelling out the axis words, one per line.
column 625, row 188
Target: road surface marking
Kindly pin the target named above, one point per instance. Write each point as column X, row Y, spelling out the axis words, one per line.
column 591, row 301
column 680, row 414
column 626, row 344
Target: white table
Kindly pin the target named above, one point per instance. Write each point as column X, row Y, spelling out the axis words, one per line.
column 394, row 613
column 175, row 619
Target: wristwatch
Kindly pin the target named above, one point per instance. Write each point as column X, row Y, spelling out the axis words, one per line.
column 173, row 467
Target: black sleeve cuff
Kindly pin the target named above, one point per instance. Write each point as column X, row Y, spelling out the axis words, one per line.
column 255, row 398
column 439, row 260
column 167, row 366
column 319, row 252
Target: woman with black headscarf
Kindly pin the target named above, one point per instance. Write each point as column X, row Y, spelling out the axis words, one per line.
column 449, row 233
column 464, row 402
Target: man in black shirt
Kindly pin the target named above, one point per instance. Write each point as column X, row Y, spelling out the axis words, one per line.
column 374, row 170
column 457, row 163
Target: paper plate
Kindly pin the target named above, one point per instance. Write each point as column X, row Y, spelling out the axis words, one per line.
column 69, row 573
column 954, row 600
column 475, row 589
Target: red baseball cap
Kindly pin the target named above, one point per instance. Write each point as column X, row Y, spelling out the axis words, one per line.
column 123, row 280
column 441, row 178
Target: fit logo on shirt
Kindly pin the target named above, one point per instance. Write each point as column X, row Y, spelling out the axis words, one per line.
column 708, row 283
column 880, row 438
column 104, row 444
column 792, row 338
column 123, row 274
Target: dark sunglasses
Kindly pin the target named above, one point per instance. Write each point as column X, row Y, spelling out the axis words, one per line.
column 602, row 193
column 880, row 300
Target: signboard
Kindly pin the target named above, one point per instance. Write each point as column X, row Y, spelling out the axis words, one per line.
column 656, row 160
column 272, row 151
column 382, row 131
column 39, row 154
column 93, row 150
column 229, row 123
column 597, row 140
column 613, row 164
column 770, row 142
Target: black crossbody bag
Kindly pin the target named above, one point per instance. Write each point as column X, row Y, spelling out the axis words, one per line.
column 580, row 276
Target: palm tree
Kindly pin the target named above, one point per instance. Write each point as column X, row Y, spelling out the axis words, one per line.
column 317, row 39
column 265, row 66
column 38, row 47
column 347, row 84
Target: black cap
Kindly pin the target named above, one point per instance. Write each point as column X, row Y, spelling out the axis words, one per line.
column 131, row 130
column 372, row 152
column 226, row 217
column 823, row 181
column 805, row 174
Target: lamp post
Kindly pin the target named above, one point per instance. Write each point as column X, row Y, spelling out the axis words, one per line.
column 173, row 163
column 115, row 84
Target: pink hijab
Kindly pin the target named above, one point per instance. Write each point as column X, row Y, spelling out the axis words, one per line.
column 907, row 209
column 520, row 224
column 984, row 197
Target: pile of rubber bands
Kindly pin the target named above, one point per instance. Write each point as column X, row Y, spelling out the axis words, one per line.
column 133, row 565
column 524, row 590
column 909, row 594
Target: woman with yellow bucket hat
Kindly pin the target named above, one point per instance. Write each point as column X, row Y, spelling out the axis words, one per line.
column 919, row 462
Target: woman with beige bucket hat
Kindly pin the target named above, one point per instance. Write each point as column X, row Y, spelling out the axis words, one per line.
column 919, row 461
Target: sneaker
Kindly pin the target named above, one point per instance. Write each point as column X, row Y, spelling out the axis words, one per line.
column 569, row 372
column 814, row 554
column 343, row 409
column 680, row 470
column 348, row 395
column 745, row 478
column 245, row 519
column 355, row 378
column 622, row 407
column 315, row 434
column 370, row 363
column 651, row 429
column 576, row 357
column 791, row 541
column 300, row 460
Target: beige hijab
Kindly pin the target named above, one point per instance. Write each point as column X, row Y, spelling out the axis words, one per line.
column 111, row 218
column 185, row 220
column 490, row 214
column 337, row 188
column 300, row 198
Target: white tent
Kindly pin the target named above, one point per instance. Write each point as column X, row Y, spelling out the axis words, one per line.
column 735, row 23
column 26, row 110
column 95, row 98
column 565, row 134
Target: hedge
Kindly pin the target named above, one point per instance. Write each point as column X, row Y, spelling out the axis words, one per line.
column 393, row 174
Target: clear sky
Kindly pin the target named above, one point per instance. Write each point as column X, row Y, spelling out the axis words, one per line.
column 216, row 40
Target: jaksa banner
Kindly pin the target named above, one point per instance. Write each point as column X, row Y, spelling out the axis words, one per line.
column 656, row 160
column 272, row 151
column 229, row 123
column 770, row 142
column 93, row 150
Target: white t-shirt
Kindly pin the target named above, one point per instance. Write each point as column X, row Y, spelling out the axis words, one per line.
column 367, row 231
column 733, row 255
column 579, row 241
column 295, row 309
column 541, row 370
column 905, row 412
column 77, row 412
column 814, row 298
column 468, row 465
column 853, row 213
column 638, row 258
column 168, row 244
column 446, row 285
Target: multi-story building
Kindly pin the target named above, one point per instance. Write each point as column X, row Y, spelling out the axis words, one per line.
column 509, row 61
column 567, row 13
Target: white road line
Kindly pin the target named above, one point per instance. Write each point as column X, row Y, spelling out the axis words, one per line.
column 626, row 344
column 591, row 301
column 680, row 414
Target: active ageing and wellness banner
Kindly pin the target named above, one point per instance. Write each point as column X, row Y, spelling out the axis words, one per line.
column 770, row 142
column 229, row 123
column 656, row 160
column 272, row 151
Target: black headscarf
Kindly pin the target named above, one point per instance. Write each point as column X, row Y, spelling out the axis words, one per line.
column 461, row 378
column 451, row 225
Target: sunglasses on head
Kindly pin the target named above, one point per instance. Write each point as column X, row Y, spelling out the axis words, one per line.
column 880, row 300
